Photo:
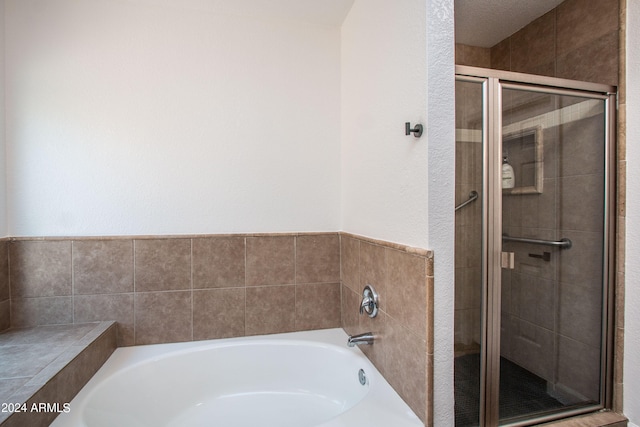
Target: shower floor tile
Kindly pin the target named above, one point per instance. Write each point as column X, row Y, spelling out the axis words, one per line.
column 521, row 392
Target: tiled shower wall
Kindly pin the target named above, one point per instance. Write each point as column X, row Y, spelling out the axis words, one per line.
column 621, row 213
column 577, row 40
column 202, row 287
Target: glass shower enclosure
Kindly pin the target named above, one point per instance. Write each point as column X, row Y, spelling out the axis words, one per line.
column 534, row 232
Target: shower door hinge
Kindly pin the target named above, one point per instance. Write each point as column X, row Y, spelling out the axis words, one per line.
column 508, row 260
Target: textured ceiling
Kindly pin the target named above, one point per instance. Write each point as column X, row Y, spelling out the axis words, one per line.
column 486, row 22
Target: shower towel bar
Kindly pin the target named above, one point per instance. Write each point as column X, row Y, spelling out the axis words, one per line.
column 472, row 196
column 562, row 243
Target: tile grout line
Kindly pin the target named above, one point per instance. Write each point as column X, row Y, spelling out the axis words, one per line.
column 340, row 279
column 133, row 256
column 244, row 288
column 8, row 246
column 191, row 284
column 295, row 283
column 73, row 287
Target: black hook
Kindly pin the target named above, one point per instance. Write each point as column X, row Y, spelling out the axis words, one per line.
column 417, row 131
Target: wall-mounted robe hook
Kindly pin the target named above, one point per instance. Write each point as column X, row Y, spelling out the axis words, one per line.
column 417, row 131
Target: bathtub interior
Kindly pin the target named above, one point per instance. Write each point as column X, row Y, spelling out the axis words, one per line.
column 218, row 383
column 285, row 380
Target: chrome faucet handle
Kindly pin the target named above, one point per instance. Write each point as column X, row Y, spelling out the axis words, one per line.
column 369, row 302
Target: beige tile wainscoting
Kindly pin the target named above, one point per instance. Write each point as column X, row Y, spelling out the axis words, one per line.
column 403, row 328
column 179, row 288
column 171, row 289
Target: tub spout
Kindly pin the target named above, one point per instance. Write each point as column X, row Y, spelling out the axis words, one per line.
column 366, row 338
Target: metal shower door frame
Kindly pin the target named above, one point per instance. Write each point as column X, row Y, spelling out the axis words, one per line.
column 493, row 82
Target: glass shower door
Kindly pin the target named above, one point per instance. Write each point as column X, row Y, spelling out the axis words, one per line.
column 470, row 136
column 533, row 236
column 553, row 228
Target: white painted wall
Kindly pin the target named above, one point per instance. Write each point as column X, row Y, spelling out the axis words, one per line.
column 397, row 62
column 632, row 268
column 171, row 117
column 441, row 135
column 384, row 172
column 3, row 175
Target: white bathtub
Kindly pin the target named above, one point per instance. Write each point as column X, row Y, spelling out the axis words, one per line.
column 300, row 379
